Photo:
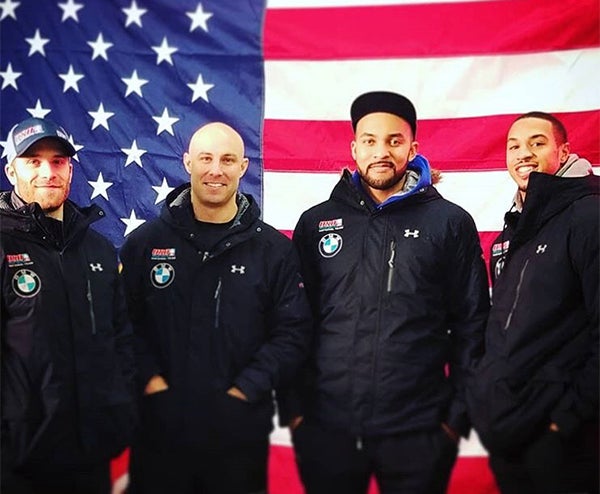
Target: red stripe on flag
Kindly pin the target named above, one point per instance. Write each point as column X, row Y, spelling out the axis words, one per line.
column 465, row 144
column 508, row 26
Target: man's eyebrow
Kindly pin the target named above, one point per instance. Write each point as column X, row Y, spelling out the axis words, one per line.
column 393, row 134
column 38, row 154
column 535, row 136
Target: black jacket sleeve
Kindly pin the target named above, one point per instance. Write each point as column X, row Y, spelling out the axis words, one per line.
column 467, row 306
column 123, row 333
column 131, row 254
column 580, row 401
column 288, row 327
column 292, row 399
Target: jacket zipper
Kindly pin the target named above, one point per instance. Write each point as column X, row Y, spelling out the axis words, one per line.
column 91, row 306
column 217, row 298
column 390, row 263
column 514, row 306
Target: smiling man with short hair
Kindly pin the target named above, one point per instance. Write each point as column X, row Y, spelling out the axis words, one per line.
column 221, row 320
column 534, row 400
column 67, row 360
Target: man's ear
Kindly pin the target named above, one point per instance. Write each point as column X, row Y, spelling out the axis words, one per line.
column 414, row 147
column 187, row 163
column 9, row 170
column 563, row 152
column 245, row 163
column 353, row 150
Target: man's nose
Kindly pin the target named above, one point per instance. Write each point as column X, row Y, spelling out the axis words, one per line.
column 215, row 167
column 45, row 169
column 524, row 152
column 381, row 150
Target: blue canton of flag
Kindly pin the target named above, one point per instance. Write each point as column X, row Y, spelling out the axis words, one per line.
column 131, row 80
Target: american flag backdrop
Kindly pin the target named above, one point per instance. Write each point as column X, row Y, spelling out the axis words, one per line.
column 132, row 79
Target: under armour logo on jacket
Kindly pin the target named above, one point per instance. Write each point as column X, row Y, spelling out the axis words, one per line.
column 541, row 248
column 96, row 266
column 240, row 270
column 414, row 233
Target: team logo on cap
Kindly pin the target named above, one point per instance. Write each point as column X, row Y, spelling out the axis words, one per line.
column 32, row 130
column 330, row 245
column 26, row 283
column 61, row 133
column 162, row 275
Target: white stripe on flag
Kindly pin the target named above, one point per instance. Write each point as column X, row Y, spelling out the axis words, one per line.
column 450, row 87
column 485, row 195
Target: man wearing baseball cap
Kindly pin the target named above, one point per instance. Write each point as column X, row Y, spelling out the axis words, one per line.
column 67, row 366
column 26, row 140
column 398, row 288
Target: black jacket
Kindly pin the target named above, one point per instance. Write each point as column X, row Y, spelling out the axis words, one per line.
column 67, row 360
column 541, row 360
column 208, row 319
column 399, row 292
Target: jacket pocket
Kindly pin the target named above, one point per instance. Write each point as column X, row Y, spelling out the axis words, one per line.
column 157, row 417
column 507, row 413
column 237, row 420
column 17, row 438
column 108, row 430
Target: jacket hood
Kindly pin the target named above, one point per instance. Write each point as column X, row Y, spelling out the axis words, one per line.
column 418, row 180
column 573, row 167
column 548, row 195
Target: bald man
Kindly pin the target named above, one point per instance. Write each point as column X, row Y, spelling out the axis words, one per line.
column 221, row 319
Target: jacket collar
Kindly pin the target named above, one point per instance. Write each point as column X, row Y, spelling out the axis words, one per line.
column 548, row 195
column 17, row 215
column 178, row 208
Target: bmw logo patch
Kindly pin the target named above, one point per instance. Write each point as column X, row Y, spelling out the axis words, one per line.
column 330, row 244
column 162, row 275
column 26, row 283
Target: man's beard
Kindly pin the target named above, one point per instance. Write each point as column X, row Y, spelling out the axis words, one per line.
column 381, row 183
column 54, row 202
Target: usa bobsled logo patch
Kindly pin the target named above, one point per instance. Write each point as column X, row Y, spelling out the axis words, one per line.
column 162, row 275
column 330, row 245
column 329, row 225
column 162, row 254
column 26, row 283
column 500, row 248
column 15, row 260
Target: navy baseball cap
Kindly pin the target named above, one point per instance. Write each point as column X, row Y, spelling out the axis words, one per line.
column 384, row 102
column 26, row 133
